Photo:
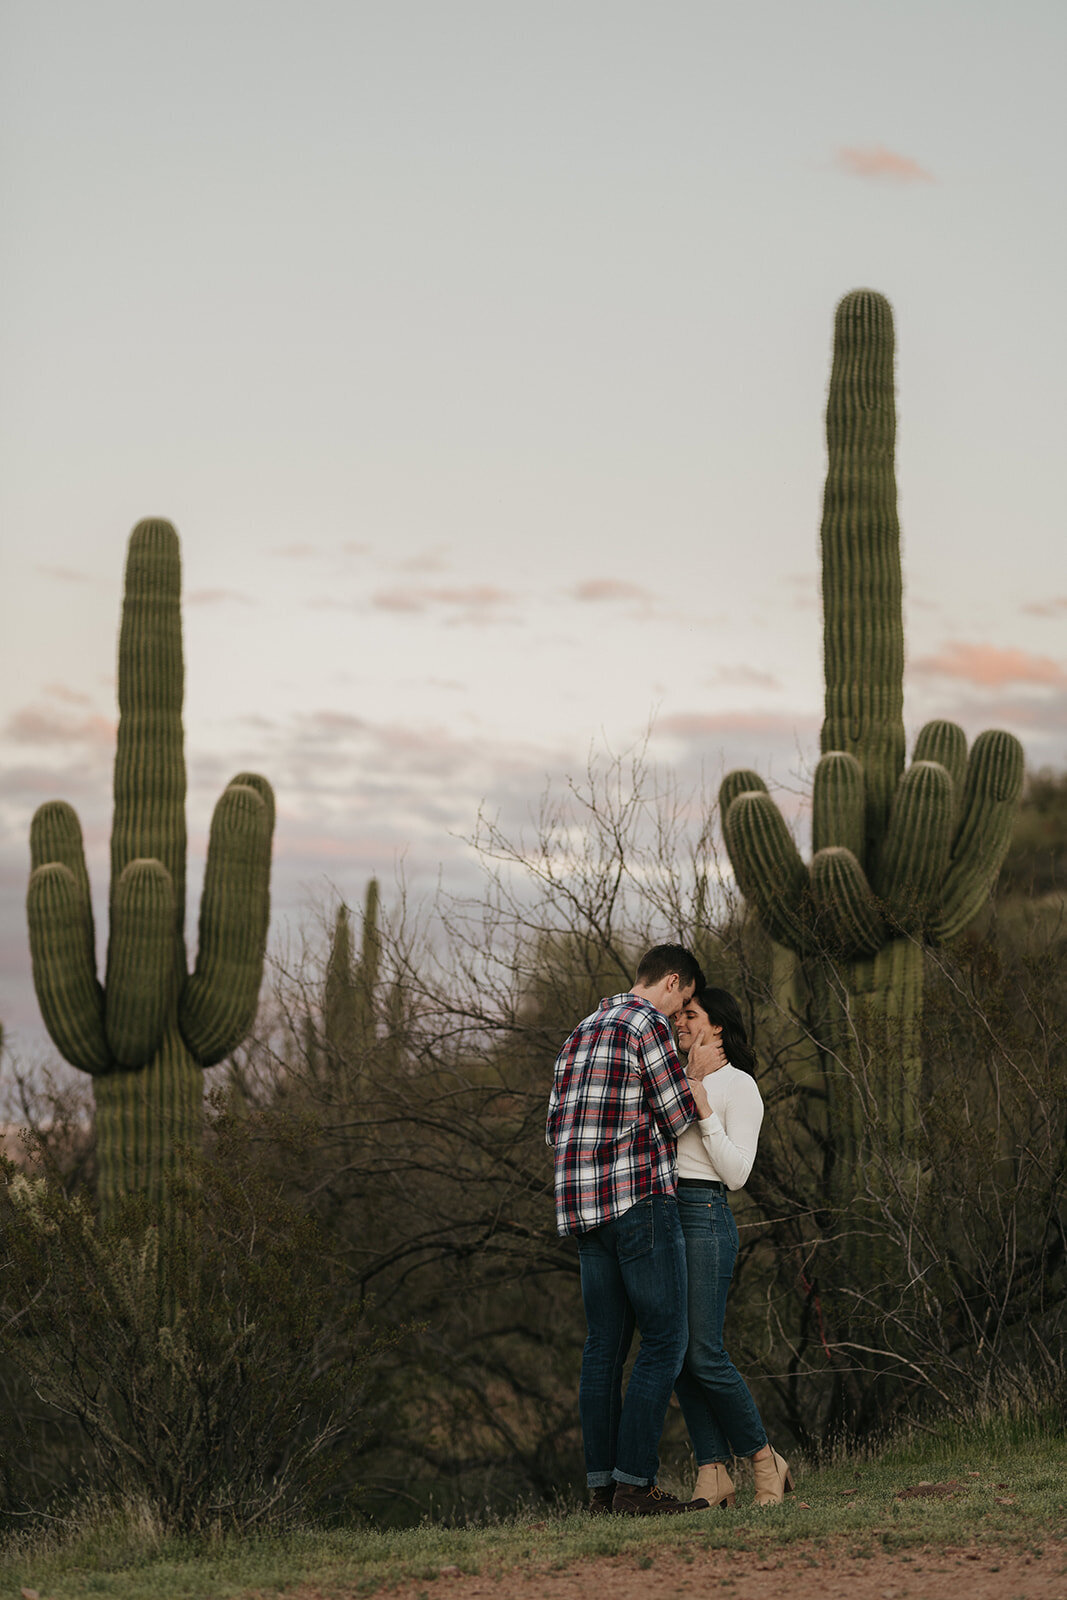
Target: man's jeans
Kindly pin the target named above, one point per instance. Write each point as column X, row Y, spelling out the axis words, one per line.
column 633, row 1272
column 719, row 1410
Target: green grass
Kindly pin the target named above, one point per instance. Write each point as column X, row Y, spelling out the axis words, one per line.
column 1013, row 1490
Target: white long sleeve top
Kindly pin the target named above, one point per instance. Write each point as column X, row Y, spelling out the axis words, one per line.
column 723, row 1145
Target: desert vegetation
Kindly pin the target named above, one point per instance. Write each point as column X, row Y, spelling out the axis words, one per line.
column 338, row 1291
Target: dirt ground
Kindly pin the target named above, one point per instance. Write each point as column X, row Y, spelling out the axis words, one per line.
column 977, row 1572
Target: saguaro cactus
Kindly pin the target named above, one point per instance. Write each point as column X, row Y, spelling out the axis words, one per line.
column 348, row 1021
column 148, row 1032
column 899, row 856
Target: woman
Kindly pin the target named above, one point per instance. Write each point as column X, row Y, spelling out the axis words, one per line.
column 714, row 1155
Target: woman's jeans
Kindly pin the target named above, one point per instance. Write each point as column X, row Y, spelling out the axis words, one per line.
column 633, row 1272
column 719, row 1411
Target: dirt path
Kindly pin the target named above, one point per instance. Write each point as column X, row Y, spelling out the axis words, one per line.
column 976, row 1572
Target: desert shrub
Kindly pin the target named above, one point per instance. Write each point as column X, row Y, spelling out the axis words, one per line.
column 934, row 1280
column 204, row 1362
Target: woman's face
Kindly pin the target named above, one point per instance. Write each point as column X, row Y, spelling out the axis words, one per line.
column 689, row 1021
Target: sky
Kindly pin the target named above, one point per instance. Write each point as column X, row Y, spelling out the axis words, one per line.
column 478, row 350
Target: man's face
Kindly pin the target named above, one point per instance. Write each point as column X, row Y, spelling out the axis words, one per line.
column 676, row 996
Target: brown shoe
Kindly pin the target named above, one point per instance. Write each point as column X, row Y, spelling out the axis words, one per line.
column 647, row 1500
column 600, row 1502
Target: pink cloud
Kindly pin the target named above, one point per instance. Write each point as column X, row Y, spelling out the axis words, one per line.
column 474, row 598
column 69, row 697
column 298, row 551
column 399, row 600
column 700, row 724
column 214, row 597
column 1046, row 608
column 597, row 589
column 750, row 676
column 476, row 595
column 988, row 667
column 432, row 560
column 41, row 725
column 875, row 161
column 64, row 574
column 328, row 724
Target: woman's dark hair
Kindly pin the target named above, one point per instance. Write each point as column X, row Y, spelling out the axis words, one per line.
column 724, row 1011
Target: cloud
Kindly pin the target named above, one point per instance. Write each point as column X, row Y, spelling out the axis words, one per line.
column 296, row 552
column 432, row 560
column 214, row 597
column 476, row 602
column 987, row 667
column 64, row 574
column 703, row 724
column 45, row 726
column 875, row 161
column 321, row 725
column 751, row 677
column 70, row 697
column 1046, row 608
column 398, row 600
column 596, row 589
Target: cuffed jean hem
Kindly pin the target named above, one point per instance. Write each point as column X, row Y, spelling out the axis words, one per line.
column 599, row 1480
column 732, row 1455
column 624, row 1477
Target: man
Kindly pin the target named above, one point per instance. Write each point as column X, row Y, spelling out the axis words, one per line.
column 619, row 1100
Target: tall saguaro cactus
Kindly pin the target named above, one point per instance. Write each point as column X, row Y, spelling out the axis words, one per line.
column 146, row 1034
column 899, row 857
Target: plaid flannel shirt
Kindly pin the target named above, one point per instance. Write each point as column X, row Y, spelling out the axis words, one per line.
column 619, row 1100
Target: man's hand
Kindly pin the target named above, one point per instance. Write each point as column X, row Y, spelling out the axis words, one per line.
column 706, row 1055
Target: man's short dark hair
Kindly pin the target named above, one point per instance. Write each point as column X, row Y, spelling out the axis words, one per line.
column 664, row 959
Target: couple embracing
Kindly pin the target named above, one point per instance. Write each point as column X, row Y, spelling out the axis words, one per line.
column 645, row 1151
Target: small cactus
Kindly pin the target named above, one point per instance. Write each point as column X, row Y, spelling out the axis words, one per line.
column 900, row 857
column 349, row 998
column 146, row 1034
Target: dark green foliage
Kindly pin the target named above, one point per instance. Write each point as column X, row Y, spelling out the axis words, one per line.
column 210, row 1370
column 1036, row 861
column 147, row 1033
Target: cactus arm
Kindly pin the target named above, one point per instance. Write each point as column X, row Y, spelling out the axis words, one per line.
column 838, row 809
column 56, row 835
column 991, row 794
column 218, row 1001
column 863, row 627
column 915, row 850
column 740, row 782
column 64, row 969
column 140, row 962
column 945, row 743
column 767, row 866
column 149, row 816
column 848, row 921
column 253, row 780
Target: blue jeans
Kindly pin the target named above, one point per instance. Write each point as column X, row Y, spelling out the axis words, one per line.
column 633, row 1274
column 719, row 1410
